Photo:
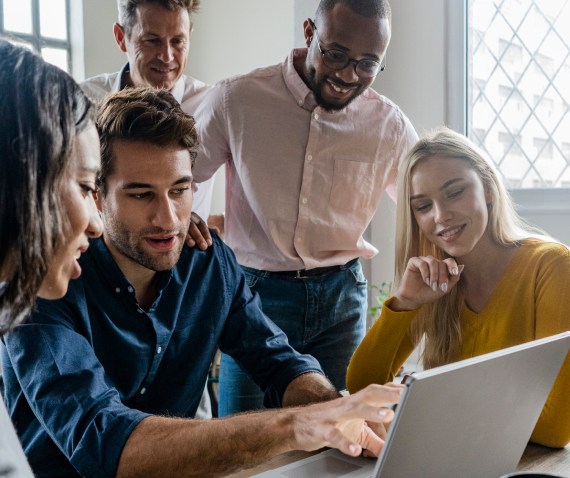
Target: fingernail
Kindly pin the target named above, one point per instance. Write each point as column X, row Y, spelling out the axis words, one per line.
column 454, row 271
column 434, row 287
column 427, row 282
column 352, row 449
column 443, row 287
column 203, row 245
column 382, row 413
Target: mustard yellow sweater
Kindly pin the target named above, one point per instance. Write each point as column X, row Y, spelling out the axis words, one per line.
column 531, row 301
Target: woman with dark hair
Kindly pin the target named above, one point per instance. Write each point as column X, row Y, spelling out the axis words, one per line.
column 49, row 158
column 471, row 276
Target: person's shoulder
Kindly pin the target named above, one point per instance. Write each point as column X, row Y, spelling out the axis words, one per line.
column 545, row 250
column 96, row 87
column 252, row 78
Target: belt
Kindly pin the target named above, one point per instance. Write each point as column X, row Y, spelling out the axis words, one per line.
column 317, row 271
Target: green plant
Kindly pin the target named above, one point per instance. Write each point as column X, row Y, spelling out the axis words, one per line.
column 380, row 294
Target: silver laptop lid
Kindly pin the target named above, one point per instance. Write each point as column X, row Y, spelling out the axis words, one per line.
column 472, row 418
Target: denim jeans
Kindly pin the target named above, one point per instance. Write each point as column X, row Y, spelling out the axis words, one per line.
column 323, row 315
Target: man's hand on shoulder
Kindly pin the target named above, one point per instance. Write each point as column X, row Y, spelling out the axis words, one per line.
column 198, row 233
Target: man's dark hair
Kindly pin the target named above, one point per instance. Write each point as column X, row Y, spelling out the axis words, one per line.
column 366, row 8
column 128, row 9
column 43, row 111
column 142, row 114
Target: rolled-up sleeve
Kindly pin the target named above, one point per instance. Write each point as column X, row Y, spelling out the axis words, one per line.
column 259, row 346
column 52, row 372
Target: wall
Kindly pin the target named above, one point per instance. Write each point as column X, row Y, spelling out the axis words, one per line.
column 234, row 37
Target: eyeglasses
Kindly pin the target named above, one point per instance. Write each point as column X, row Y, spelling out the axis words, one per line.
column 338, row 60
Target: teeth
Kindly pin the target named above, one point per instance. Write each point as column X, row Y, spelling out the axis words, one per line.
column 451, row 232
column 337, row 88
column 78, row 254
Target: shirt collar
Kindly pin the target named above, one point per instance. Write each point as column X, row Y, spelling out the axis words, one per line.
column 121, row 82
column 300, row 91
column 101, row 255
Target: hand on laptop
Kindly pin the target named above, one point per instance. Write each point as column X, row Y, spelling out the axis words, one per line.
column 344, row 423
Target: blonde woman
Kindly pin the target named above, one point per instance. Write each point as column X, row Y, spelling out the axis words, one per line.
column 471, row 276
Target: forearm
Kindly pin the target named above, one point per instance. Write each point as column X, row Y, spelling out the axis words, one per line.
column 383, row 350
column 309, row 388
column 184, row 447
column 162, row 446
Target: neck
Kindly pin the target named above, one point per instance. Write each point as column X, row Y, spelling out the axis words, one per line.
column 139, row 276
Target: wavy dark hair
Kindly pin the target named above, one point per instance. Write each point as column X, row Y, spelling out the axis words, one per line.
column 142, row 114
column 43, row 109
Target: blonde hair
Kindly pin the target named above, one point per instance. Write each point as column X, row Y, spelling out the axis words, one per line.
column 439, row 322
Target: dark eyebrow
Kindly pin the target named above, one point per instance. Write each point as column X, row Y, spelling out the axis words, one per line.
column 445, row 185
column 135, row 185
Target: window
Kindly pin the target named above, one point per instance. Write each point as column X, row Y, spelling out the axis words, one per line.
column 518, row 88
column 42, row 25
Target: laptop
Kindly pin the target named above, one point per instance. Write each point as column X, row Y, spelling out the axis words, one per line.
column 469, row 419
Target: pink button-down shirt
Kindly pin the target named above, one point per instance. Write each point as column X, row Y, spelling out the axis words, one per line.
column 302, row 183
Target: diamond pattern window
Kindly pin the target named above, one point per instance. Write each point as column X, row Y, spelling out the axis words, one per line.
column 518, row 88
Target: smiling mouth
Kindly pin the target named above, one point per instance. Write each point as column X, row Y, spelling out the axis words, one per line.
column 162, row 70
column 340, row 89
column 450, row 233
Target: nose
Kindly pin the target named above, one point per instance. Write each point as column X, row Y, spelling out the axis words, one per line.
column 441, row 213
column 95, row 225
column 166, row 52
column 164, row 214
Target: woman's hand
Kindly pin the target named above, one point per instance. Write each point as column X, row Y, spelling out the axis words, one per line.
column 425, row 279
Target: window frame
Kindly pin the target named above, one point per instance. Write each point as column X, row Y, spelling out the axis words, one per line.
column 538, row 202
column 36, row 39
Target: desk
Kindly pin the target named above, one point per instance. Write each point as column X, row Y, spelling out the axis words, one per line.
column 535, row 458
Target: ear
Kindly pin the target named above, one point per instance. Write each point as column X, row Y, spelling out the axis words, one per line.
column 308, row 31
column 120, row 36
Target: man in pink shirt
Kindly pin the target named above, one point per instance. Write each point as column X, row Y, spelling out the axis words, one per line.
column 309, row 148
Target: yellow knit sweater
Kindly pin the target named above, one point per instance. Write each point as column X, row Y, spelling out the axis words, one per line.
column 531, row 301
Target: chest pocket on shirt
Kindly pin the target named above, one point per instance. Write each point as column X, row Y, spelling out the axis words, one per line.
column 353, row 186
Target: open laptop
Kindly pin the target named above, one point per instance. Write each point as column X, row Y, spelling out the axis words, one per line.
column 469, row 419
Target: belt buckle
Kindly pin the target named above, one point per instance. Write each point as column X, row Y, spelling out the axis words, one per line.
column 298, row 275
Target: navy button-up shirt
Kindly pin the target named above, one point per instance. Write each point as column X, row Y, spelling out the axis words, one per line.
column 86, row 369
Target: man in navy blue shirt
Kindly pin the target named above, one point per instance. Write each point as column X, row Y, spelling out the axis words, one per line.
column 103, row 382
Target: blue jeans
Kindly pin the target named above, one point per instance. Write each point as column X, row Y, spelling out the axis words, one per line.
column 323, row 315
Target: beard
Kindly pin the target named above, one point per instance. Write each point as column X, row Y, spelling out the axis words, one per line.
column 131, row 245
column 317, row 86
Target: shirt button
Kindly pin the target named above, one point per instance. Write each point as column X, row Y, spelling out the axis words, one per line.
column 310, row 157
column 130, row 289
column 158, row 350
column 143, row 390
column 304, row 201
column 300, row 102
column 117, row 290
column 316, row 116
